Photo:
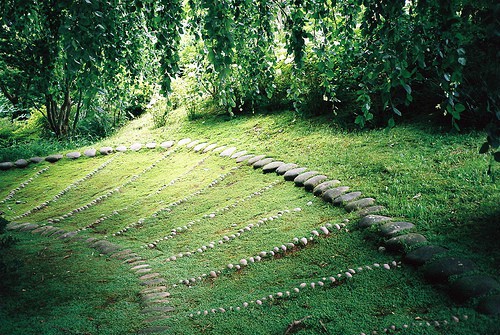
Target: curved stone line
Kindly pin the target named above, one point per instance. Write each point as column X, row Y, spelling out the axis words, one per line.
column 212, row 214
column 135, row 203
column 66, row 190
column 433, row 323
column 294, row 245
column 334, row 281
column 23, row 185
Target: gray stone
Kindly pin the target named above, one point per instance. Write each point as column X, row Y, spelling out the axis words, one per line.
column 106, row 150
column 149, row 276
column 167, row 144
column 151, row 145
column 346, row 198
column 28, row 227
column 262, row 162
column 6, row 165
column 271, row 167
column 291, row 174
column 53, row 158
column 122, row 254
column 404, row 242
column 303, row 177
column 334, row 193
column 154, row 289
column 192, row 144
column 90, row 152
column 153, row 330
column 50, row 230
column 153, row 282
column 73, row 155
column 286, row 167
column 21, row 163
column 39, row 229
column 105, row 247
column 422, row 255
column 121, row 148
column 67, row 235
column 490, row 305
column 200, row 147
column 371, row 220
column 243, row 158
column 392, row 228
column 228, row 152
column 325, row 186
column 239, row 154
column 311, row 183
column 161, row 309
column 158, row 295
column 359, row 204
column 209, row 147
column 370, row 210
column 219, row 149
column 136, row 147
column 16, row 225
column 439, row 270
column 466, row 288
column 255, row 159
column 184, row 141
column 36, row 159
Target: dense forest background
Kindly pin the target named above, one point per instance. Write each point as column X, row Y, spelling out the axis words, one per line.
column 82, row 68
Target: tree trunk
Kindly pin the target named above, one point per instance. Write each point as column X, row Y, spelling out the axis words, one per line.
column 58, row 117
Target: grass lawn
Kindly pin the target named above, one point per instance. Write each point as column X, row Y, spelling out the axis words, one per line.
column 218, row 212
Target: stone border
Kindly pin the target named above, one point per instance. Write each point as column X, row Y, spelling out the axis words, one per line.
column 399, row 237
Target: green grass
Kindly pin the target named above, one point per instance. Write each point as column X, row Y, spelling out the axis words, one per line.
column 418, row 172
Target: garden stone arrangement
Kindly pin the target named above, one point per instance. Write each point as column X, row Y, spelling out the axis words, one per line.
column 201, row 171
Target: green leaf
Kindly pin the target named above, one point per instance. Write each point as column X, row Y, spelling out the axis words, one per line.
column 360, row 120
column 391, row 123
column 407, row 88
column 462, row 61
column 396, row 111
column 484, row 148
column 459, row 108
column 496, row 156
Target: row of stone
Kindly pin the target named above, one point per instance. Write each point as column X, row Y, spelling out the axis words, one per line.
column 153, row 295
column 92, row 152
column 23, row 185
column 399, row 236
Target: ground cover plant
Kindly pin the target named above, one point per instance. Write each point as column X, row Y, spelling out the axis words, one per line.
column 190, row 218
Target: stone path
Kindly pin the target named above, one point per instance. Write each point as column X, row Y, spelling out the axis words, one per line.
column 461, row 277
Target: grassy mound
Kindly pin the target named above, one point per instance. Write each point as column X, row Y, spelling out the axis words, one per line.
column 218, row 212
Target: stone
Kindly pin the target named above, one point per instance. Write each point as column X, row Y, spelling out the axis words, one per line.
column 157, row 295
column 238, row 154
column 121, row 148
column 105, row 247
column 21, row 163
column 192, row 144
column 466, row 288
column 153, row 282
column 154, row 289
column 359, row 204
column 6, row 165
column 36, row 159
column 67, row 235
column 325, row 186
column 422, row 255
column 90, row 152
column 200, row 147
column 303, row 177
column 440, row 270
column 286, row 167
column 490, row 305
column 53, row 158
column 28, row 227
column 228, row 152
column 311, row 183
column 161, row 309
column 184, row 141
column 167, row 144
column 371, row 220
column 153, row 330
column 404, row 242
column 255, row 159
column 271, row 167
column 151, row 145
column 291, row 174
column 370, row 210
column 243, row 158
column 106, row 150
column 392, row 228
column 73, row 155
column 136, row 147
column 346, row 198
column 149, row 276
column 219, row 149
column 262, row 163
column 210, row 147
column 334, row 193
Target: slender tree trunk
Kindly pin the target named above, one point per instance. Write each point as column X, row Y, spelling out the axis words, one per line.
column 58, row 117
